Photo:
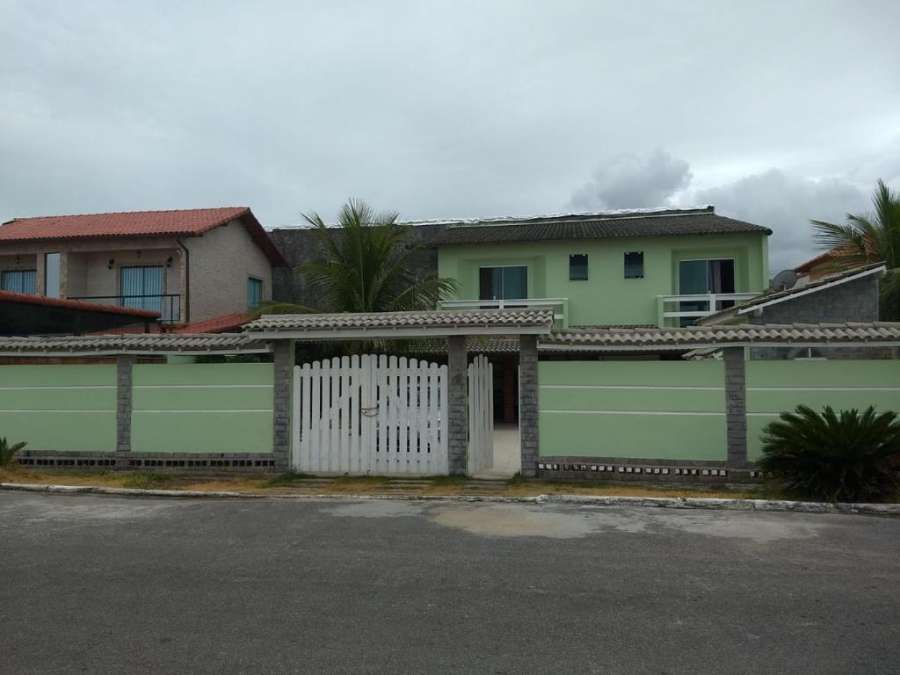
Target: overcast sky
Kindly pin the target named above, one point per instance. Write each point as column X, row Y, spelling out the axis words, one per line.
column 774, row 112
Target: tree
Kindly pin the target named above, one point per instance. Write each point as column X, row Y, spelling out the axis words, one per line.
column 867, row 239
column 368, row 265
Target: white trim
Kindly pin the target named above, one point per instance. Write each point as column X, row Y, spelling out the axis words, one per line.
column 641, row 387
column 182, row 412
column 56, row 410
column 823, row 388
column 630, row 412
column 202, row 386
column 815, row 289
column 75, row 386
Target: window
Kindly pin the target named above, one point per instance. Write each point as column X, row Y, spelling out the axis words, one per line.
column 19, row 281
column 143, row 287
column 703, row 277
column 51, row 275
column 254, row 292
column 698, row 277
column 503, row 283
column 634, row 265
column 578, row 267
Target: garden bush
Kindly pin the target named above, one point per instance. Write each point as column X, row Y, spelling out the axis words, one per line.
column 834, row 456
column 8, row 451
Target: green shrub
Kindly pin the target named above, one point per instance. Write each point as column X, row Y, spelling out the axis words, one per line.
column 7, row 451
column 845, row 456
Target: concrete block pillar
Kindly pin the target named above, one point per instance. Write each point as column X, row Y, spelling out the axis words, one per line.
column 736, row 405
column 528, row 404
column 283, row 402
column 124, row 397
column 457, row 404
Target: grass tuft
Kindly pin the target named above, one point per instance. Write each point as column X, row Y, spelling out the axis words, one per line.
column 147, row 481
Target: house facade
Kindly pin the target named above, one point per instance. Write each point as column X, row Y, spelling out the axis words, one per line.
column 186, row 265
column 663, row 268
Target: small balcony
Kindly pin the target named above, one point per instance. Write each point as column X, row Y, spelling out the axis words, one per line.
column 684, row 310
column 168, row 305
column 560, row 306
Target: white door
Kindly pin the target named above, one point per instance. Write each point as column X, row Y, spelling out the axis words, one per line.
column 481, row 415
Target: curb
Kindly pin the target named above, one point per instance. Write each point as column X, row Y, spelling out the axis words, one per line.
column 585, row 500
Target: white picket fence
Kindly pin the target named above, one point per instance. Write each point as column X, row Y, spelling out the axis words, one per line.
column 481, row 415
column 370, row 414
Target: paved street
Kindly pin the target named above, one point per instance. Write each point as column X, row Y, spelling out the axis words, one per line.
column 109, row 585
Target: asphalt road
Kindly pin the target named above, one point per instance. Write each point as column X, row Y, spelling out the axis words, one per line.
column 109, row 585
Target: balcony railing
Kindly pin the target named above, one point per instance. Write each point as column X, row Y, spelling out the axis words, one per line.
column 560, row 306
column 680, row 310
column 168, row 305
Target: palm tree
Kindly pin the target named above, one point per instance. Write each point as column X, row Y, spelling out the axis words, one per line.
column 367, row 265
column 868, row 239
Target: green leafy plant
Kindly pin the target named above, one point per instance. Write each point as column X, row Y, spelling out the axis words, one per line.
column 867, row 239
column 7, row 451
column 367, row 264
column 835, row 456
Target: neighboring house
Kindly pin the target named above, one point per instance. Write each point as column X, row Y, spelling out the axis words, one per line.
column 664, row 267
column 824, row 264
column 848, row 296
column 186, row 265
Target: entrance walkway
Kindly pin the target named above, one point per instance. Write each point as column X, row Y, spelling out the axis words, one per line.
column 507, row 453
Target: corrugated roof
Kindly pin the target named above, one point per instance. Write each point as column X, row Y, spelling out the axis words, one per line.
column 603, row 225
column 132, row 344
column 722, row 336
column 174, row 223
column 425, row 321
column 80, row 305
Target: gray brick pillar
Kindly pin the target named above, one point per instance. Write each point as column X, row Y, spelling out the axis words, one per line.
column 735, row 405
column 457, row 404
column 528, row 404
column 124, row 392
column 282, row 404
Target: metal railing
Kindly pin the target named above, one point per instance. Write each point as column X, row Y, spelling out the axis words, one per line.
column 689, row 308
column 560, row 306
column 168, row 304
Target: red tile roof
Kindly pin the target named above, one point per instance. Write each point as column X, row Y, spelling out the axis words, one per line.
column 227, row 323
column 176, row 223
column 29, row 299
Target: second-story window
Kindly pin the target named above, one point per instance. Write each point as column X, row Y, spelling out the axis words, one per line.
column 142, row 287
column 634, row 265
column 578, row 267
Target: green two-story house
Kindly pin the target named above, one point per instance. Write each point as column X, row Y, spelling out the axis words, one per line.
column 661, row 267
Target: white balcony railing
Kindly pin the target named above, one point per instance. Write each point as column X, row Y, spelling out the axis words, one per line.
column 560, row 306
column 674, row 309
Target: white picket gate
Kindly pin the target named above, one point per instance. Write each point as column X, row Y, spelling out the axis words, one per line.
column 481, row 415
column 370, row 414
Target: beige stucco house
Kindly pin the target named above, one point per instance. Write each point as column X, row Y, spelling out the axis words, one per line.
column 188, row 265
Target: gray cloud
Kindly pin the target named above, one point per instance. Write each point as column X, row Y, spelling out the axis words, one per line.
column 435, row 109
column 786, row 203
column 631, row 181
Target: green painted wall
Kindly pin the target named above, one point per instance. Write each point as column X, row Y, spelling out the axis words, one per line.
column 222, row 407
column 777, row 386
column 607, row 297
column 59, row 407
column 632, row 409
